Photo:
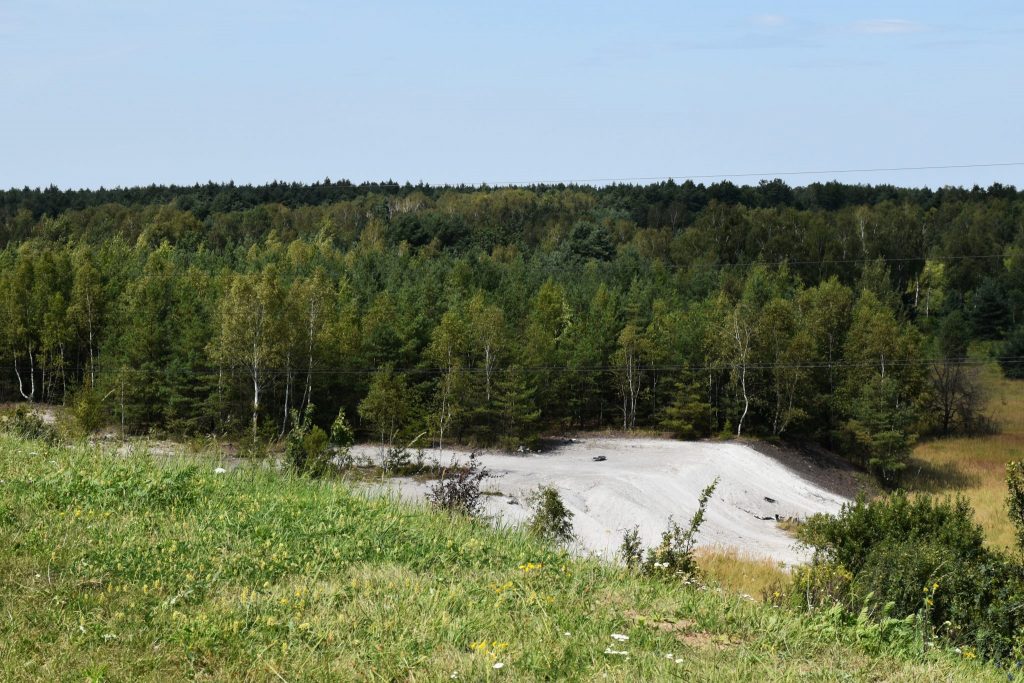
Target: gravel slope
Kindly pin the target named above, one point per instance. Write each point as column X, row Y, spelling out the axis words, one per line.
column 645, row 481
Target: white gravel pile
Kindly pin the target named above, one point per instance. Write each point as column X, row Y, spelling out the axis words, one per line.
column 643, row 482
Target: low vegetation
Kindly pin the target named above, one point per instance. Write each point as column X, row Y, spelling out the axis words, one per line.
column 550, row 519
column 674, row 555
column 122, row 568
column 917, row 558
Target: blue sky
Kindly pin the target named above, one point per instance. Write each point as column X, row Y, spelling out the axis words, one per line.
column 127, row 92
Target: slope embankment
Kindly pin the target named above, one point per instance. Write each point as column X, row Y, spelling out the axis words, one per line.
column 642, row 482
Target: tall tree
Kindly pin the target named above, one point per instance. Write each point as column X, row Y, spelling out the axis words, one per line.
column 250, row 330
column 87, row 304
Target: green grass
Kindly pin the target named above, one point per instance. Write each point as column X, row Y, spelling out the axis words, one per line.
column 124, row 569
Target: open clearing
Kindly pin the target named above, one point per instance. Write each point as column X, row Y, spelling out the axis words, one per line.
column 643, row 482
column 975, row 467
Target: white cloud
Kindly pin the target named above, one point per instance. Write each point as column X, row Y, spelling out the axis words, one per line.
column 887, row 26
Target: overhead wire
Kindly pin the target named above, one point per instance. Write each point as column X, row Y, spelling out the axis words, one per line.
column 369, row 370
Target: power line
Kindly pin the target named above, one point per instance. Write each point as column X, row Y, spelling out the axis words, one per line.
column 807, row 364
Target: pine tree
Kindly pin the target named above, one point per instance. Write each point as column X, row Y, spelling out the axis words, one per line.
column 516, row 404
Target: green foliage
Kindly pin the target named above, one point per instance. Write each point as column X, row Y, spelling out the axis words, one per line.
column 916, row 556
column 863, row 525
column 342, row 438
column 631, row 550
column 821, row 584
column 1015, row 499
column 388, row 406
column 307, row 448
column 488, row 315
column 589, row 241
column 688, row 415
column 879, row 428
column 953, row 336
column 515, row 403
column 551, row 519
column 988, row 310
column 673, row 556
column 87, row 408
column 458, row 488
column 1011, row 354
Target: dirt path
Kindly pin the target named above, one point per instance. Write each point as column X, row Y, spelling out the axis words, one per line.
column 644, row 481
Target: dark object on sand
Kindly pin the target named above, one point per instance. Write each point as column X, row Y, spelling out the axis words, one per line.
column 599, row 458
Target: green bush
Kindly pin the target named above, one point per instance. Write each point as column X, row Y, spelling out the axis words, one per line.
column 1011, row 354
column 87, row 408
column 458, row 488
column 921, row 557
column 342, row 438
column 551, row 519
column 307, row 449
column 674, row 554
column 862, row 526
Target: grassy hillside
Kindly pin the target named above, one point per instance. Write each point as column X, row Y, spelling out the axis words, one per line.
column 125, row 569
column 976, row 466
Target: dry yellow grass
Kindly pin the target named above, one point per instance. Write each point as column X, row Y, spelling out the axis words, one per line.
column 739, row 573
column 976, row 467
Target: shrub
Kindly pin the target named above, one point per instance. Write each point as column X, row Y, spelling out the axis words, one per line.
column 458, row 488
column 674, row 555
column 1011, row 354
column 1015, row 498
column 862, row 526
column 87, row 408
column 342, row 438
column 551, row 519
column 396, row 459
column 632, row 548
column 400, row 460
column 920, row 557
column 307, row 449
column 27, row 424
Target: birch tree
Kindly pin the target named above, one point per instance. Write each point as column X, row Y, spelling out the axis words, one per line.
column 86, row 305
column 249, row 335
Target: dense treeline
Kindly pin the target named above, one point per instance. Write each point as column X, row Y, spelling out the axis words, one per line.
column 831, row 312
column 667, row 203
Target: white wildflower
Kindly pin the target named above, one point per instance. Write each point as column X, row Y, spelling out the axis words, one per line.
column 609, row 651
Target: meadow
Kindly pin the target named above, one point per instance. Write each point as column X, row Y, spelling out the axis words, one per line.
column 121, row 568
column 975, row 467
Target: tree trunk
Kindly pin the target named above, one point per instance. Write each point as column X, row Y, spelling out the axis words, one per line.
column 255, row 403
column 746, row 399
column 287, row 397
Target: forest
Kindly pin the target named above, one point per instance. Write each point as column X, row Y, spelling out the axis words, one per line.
column 849, row 316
